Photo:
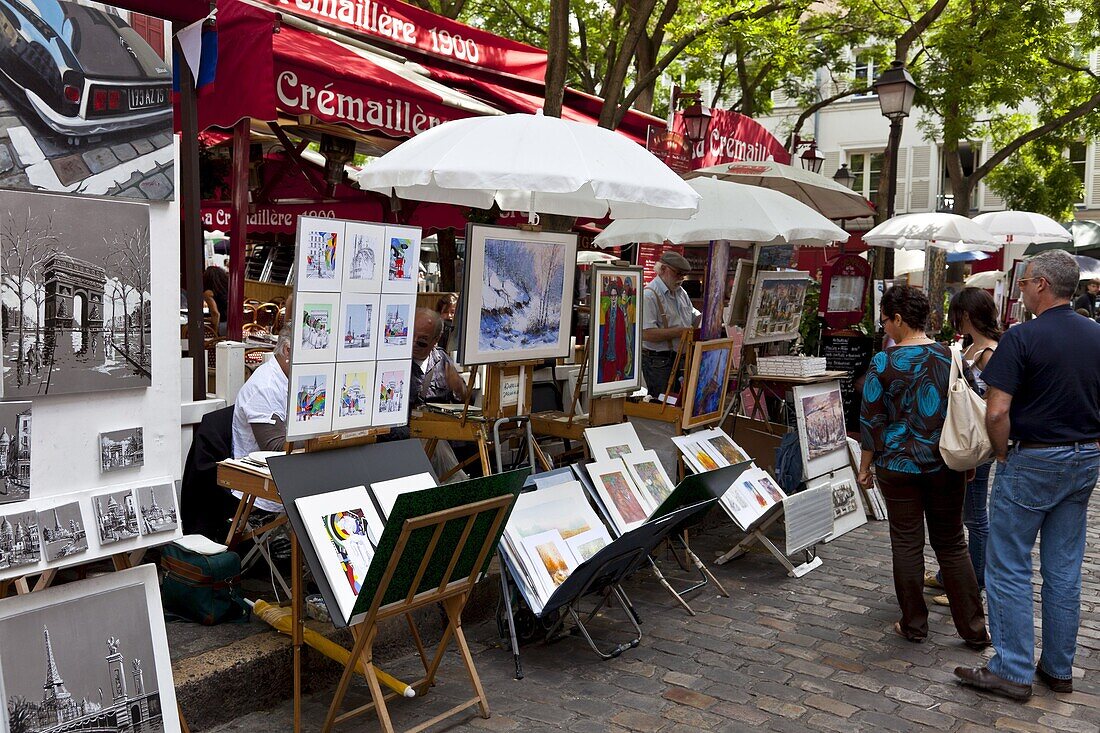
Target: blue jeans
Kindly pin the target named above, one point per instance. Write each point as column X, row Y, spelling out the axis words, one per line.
column 1035, row 490
column 976, row 519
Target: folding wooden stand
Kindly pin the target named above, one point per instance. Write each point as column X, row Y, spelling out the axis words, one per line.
column 452, row 594
column 757, row 533
column 121, row 561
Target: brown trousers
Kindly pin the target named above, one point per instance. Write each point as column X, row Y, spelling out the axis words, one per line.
column 938, row 498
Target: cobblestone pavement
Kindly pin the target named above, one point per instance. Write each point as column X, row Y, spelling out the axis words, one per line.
column 781, row 654
column 128, row 164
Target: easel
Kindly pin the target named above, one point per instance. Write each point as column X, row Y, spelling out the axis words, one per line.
column 434, row 426
column 451, row 594
column 757, row 533
column 120, row 561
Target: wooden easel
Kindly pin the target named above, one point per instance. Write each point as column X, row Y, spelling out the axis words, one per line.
column 451, row 594
column 121, row 561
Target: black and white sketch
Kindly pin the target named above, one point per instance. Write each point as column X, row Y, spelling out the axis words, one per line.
column 19, row 540
column 76, row 306
column 157, row 507
column 87, row 102
column 15, row 451
column 121, row 449
column 92, row 657
column 63, row 532
column 116, row 516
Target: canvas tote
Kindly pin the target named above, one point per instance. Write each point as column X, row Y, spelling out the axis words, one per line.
column 964, row 443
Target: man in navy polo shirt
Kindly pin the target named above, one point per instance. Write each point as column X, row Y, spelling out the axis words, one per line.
column 1041, row 399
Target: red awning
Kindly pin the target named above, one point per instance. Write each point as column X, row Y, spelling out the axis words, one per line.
column 183, row 11
column 301, row 73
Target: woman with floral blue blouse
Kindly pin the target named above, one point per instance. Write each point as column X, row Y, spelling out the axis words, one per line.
column 904, row 405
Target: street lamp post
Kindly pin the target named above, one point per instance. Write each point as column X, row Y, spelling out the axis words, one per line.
column 895, row 89
column 812, row 159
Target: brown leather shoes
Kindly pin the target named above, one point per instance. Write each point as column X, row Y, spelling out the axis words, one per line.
column 983, row 679
column 1054, row 683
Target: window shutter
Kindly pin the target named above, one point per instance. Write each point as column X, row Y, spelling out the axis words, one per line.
column 1094, row 198
column 831, row 164
column 920, row 178
column 987, row 199
column 780, row 98
column 901, row 198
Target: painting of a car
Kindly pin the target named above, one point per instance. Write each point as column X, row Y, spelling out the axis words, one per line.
column 84, row 72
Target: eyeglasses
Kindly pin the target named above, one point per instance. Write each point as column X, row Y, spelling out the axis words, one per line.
column 884, row 320
column 1023, row 280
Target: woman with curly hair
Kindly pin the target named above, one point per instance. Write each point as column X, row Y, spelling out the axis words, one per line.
column 902, row 415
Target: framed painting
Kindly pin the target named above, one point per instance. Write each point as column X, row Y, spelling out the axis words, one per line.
column 738, row 306
column 363, row 257
column 358, row 329
column 116, row 516
column 315, row 327
column 396, row 315
column 121, row 449
column 391, row 393
column 848, row 510
column 63, row 531
column 20, row 537
column 401, row 252
column 519, row 287
column 309, row 412
column 320, row 246
column 88, row 100
column 77, row 293
column 157, row 508
column 101, row 639
column 615, row 336
column 707, row 382
column 819, row 411
column 353, row 392
column 15, row 458
column 775, row 312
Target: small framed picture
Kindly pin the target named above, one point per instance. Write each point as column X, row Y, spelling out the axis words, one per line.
column 320, row 243
column 315, row 330
column 157, row 508
column 819, row 411
column 396, row 326
column 707, row 382
column 121, row 449
column 353, row 393
column 402, row 257
column 358, row 329
column 116, row 516
column 615, row 335
column 364, row 258
column 391, row 396
column 309, row 412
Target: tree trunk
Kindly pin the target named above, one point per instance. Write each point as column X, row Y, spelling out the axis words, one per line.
column 615, row 79
column 557, row 53
column 645, row 57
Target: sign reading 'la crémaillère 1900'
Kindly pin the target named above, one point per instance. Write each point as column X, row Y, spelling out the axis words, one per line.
column 407, row 25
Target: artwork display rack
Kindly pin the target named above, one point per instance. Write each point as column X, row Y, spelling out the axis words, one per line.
column 119, row 561
column 420, row 518
column 757, row 533
column 603, row 574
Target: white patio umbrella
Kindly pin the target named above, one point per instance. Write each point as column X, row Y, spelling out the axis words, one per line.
column 951, row 232
column 531, row 163
column 731, row 211
column 985, row 280
column 1023, row 227
column 824, row 195
column 1090, row 267
column 588, row 257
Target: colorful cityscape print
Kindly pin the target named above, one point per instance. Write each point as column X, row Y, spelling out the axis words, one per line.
column 310, row 402
column 391, row 397
column 399, row 259
column 396, row 331
column 353, row 395
column 321, row 255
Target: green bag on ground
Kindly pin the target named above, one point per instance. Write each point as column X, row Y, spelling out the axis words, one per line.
column 202, row 588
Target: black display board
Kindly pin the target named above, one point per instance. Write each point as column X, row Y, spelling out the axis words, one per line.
column 851, row 354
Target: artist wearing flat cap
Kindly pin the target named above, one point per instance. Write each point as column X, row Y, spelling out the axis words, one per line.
column 667, row 314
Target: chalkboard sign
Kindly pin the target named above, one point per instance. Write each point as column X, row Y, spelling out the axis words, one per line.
column 852, row 354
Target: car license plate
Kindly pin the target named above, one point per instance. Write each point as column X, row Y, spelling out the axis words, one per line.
column 148, row 97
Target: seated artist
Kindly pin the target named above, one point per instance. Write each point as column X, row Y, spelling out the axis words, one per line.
column 259, row 415
column 435, row 378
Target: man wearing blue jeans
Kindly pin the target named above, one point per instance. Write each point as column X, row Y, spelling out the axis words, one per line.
column 1041, row 398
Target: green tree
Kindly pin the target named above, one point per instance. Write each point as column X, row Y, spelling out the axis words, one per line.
column 1040, row 178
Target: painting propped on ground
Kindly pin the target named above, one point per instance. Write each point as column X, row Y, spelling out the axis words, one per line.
column 76, row 307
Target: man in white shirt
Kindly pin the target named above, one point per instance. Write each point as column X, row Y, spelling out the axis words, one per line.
column 666, row 315
column 259, row 415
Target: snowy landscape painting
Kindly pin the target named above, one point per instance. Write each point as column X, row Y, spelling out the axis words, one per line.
column 518, row 282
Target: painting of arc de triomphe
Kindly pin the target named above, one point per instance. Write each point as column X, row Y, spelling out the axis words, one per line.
column 74, row 286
